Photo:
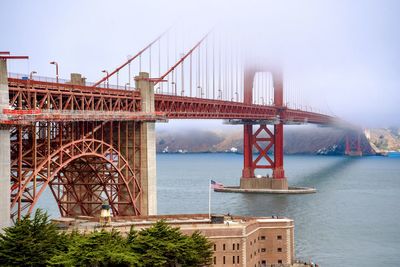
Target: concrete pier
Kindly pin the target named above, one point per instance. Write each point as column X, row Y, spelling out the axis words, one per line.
column 4, row 151
column 264, row 183
column 147, row 147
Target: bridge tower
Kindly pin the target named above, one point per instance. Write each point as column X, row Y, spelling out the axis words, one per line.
column 264, row 140
column 353, row 144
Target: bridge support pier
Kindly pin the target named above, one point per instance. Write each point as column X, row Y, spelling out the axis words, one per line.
column 147, row 147
column 4, row 151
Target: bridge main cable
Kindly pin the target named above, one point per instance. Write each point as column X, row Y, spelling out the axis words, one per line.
column 182, row 59
column 130, row 60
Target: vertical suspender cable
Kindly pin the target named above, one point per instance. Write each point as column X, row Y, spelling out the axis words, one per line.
column 226, row 86
column 150, row 62
column 198, row 73
column 190, row 75
column 140, row 63
column 206, row 63
column 182, row 79
column 237, row 76
column 213, row 66
column 167, row 58
column 159, row 64
column 129, row 73
column 219, row 69
column 231, row 73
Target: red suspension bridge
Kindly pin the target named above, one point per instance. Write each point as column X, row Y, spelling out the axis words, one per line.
column 90, row 142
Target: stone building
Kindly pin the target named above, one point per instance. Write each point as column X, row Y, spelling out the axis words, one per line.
column 238, row 241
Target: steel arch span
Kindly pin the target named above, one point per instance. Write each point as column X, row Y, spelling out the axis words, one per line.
column 83, row 164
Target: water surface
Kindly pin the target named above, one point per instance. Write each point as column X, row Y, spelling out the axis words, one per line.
column 353, row 219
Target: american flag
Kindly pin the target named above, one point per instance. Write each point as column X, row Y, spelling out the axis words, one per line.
column 216, row 185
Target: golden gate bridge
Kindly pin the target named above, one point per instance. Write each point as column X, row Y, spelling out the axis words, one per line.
column 90, row 142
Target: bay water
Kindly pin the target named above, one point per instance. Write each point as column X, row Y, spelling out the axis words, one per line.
column 352, row 220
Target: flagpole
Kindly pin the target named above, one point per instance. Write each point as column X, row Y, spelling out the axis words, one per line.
column 209, row 199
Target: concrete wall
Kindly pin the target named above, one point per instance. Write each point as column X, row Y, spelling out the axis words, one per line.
column 4, row 151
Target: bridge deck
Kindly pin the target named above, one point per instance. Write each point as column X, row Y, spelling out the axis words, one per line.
column 70, row 102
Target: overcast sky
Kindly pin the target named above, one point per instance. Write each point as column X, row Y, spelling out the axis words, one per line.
column 345, row 54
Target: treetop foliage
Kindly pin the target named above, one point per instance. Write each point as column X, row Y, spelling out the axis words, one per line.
column 37, row 242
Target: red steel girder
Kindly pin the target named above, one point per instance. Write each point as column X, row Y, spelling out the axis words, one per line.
column 83, row 163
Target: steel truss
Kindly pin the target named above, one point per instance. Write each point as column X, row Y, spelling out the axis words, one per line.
column 83, row 164
column 268, row 146
column 30, row 95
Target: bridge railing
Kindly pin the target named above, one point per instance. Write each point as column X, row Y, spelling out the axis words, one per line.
column 23, row 76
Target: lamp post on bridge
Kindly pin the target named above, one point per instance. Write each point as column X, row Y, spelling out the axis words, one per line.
column 31, row 75
column 56, row 64
column 127, row 85
column 106, row 72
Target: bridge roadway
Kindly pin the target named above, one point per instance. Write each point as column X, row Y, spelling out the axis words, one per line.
column 68, row 102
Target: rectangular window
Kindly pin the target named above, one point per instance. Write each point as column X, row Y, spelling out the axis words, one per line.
column 263, row 237
column 279, row 237
column 215, row 260
column 263, row 249
column 264, row 262
column 237, row 246
column 279, row 249
column 237, row 259
column 223, row 247
column 280, row 261
column 233, row 246
column 233, row 259
column 223, row 259
column 215, row 247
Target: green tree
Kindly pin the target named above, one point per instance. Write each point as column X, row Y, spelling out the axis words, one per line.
column 159, row 245
column 163, row 245
column 30, row 242
column 36, row 242
column 200, row 250
column 96, row 249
